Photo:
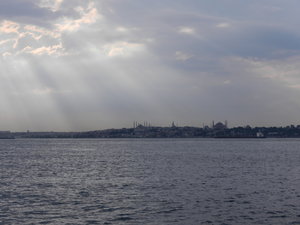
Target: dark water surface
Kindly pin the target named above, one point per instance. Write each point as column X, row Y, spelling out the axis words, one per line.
column 158, row 181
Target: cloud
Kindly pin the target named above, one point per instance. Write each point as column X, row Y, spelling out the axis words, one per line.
column 9, row 27
column 181, row 56
column 48, row 91
column 100, row 64
column 23, row 37
column 122, row 49
column 187, row 30
column 45, row 50
column 223, row 25
column 39, row 32
column 88, row 16
column 285, row 71
column 26, row 11
column 53, row 5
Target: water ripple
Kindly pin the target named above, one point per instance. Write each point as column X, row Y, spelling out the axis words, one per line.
column 189, row 181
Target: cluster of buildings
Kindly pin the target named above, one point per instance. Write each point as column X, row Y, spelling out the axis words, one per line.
column 146, row 130
column 6, row 135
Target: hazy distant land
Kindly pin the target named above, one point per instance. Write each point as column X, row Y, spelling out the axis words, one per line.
column 218, row 130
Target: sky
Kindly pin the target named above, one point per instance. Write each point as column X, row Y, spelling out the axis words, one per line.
column 82, row 65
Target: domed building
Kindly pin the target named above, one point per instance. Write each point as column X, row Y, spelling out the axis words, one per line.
column 220, row 126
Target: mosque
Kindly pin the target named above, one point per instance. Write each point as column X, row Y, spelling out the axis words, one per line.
column 220, row 125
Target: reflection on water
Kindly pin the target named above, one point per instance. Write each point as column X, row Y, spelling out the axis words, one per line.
column 162, row 181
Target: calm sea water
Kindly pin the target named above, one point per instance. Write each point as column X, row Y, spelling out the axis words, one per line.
column 158, row 181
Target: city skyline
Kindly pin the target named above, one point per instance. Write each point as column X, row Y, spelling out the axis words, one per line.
column 146, row 124
column 88, row 65
column 146, row 130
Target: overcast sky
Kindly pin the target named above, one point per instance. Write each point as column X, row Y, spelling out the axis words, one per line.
column 96, row 64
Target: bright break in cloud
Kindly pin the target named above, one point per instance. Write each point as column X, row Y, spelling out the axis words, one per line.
column 84, row 65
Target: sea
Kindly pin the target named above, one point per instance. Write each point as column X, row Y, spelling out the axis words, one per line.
column 150, row 181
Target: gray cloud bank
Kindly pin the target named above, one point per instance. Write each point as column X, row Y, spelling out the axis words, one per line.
column 83, row 65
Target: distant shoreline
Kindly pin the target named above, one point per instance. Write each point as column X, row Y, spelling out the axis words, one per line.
column 218, row 131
